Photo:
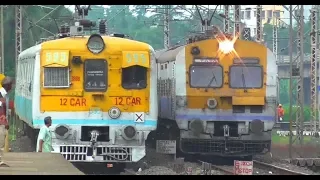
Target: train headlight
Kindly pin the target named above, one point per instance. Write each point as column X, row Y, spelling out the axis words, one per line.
column 226, row 46
column 256, row 126
column 181, row 101
column 129, row 132
column 114, row 112
column 62, row 131
column 212, row 103
column 95, row 44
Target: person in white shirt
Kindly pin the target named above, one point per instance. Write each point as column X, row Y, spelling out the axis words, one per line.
column 4, row 125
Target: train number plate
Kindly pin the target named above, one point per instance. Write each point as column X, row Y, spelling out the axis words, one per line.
column 166, row 146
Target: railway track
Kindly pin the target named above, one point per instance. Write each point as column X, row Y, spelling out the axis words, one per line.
column 228, row 170
column 225, row 167
column 207, row 167
column 286, row 124
column 276, row 169
column 130, row 172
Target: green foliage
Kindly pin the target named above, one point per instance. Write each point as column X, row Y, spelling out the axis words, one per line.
column 284, row 100
column 31, row 33
column 276, row 139
column 284, row 89
column 306, row 113
column 149, row 29
column 283, row 38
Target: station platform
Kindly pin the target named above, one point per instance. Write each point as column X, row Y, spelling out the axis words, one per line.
column 32, row 163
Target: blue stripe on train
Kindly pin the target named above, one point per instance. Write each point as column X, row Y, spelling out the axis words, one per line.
column 166, row 110
column 23, row 107
column 224, row 117
column 96, row 122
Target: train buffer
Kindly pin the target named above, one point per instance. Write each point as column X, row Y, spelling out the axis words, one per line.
column 32, row 163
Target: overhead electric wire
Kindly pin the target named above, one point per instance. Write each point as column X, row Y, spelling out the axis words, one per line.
column 117, row 13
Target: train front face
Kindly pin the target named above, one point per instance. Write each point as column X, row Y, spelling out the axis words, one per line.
column 230, row 101
column 98, row 92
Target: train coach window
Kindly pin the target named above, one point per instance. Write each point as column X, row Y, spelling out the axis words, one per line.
column 134, row 77
column 246, row 77
column 95, row 75
column 206, row 76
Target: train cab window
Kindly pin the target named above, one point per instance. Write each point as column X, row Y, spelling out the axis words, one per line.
column 246, row 77
column 134, row 77
column 206, row 76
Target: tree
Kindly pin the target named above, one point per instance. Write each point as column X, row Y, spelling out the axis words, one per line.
column 283, row 44
column 31, row 33
column 283, row 38
column 97, row 12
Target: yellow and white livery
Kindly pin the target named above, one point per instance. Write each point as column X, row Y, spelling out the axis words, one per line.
column 218, row 96
column 99, row 90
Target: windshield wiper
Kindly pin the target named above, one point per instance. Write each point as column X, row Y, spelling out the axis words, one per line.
column 244, row 82
column 212, row 79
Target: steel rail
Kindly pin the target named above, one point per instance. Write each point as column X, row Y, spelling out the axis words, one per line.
column 228, row 170
column 275, row 169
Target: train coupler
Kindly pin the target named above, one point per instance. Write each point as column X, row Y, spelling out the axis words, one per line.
column 94, row 139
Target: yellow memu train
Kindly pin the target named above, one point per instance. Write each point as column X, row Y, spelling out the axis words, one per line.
column 217, row 96
column 99, row 90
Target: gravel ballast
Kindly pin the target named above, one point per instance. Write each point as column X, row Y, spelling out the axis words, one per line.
column 284, row 164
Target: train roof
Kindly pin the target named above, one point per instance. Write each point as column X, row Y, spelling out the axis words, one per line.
column 165, row 55
column 112, row 43
column 80, row 43
column 31, row 51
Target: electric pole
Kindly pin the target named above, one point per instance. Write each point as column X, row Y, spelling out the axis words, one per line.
column 75, row 16
column 314, row 62
column 237, row 21
column 317, row 46
column 296, row 72
column 275, row 36
column 259, row 24
column 166, row 31
column 18, row 21
column 291, row 81
column 300, row 93
column 226, row 22
column 2, row 40
column 275, row 47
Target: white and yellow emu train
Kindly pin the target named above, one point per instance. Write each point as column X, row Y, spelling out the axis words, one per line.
column 100, row 92
column 218, row 97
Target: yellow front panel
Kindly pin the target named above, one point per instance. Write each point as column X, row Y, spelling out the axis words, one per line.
column 135, row 103
column 197, row 97
column 248, row 100
column 76, row 98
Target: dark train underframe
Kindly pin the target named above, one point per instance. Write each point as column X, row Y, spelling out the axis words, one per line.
column 218, row 145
